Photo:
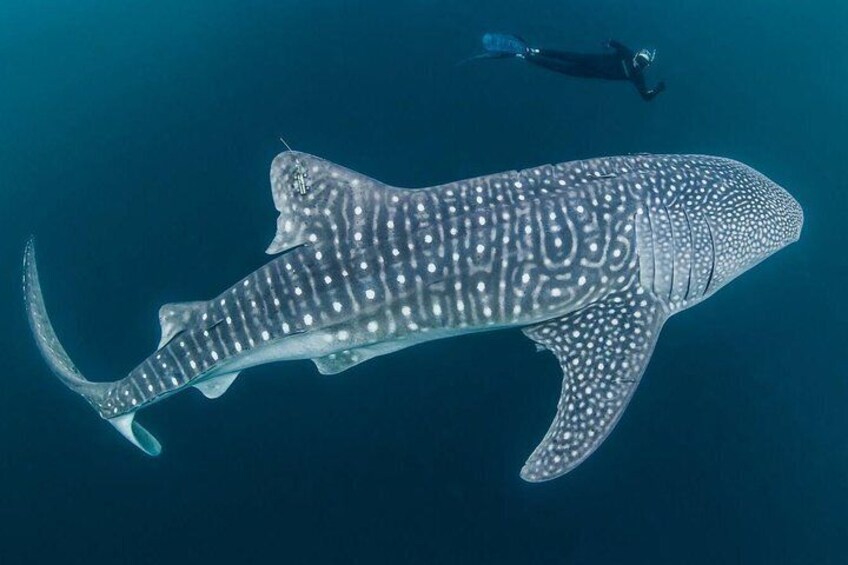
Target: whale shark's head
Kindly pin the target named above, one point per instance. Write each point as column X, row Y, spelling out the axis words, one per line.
column 750, row 217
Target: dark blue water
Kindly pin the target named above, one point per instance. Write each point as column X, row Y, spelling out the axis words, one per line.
column 135, row 142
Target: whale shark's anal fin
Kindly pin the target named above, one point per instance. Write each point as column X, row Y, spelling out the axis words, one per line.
column 603, row 350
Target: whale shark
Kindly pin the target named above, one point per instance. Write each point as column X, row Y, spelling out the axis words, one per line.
column 587, row 258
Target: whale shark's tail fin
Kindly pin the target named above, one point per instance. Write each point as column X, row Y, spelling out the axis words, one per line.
column 59, row 361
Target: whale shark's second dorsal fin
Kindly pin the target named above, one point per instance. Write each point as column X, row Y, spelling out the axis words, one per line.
column 175, row 317
column 316, row 197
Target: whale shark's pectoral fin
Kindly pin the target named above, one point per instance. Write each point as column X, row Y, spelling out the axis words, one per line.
column 216, row 386
column 175, row 317
column 603, row 350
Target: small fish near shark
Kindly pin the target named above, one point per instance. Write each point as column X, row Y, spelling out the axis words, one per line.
column 588, row 258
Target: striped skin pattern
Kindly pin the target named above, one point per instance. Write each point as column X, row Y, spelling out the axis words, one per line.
column 590, row 257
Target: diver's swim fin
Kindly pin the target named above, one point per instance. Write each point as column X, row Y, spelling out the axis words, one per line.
column 504, row 45
column 500, row 46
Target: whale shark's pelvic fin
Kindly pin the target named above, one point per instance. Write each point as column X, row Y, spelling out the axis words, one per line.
column 344, row 360
column 59, row 361
column 603, row 350
column 216, row 386
column 174, row 318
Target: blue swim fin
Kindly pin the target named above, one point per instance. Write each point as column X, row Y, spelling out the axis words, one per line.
column 500, row 46
column 504, row 45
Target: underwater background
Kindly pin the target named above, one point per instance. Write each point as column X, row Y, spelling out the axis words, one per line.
column 135, row 142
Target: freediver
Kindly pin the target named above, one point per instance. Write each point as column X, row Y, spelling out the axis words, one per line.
column 621, row 63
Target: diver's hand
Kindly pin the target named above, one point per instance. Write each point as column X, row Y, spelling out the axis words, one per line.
column 649, row 95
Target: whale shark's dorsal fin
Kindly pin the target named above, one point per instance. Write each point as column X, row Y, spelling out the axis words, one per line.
column 216, row 386
column 603, row 350
column 175, row 317
column 312, row 195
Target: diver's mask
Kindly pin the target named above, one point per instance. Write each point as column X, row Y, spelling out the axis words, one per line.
column 644, row 57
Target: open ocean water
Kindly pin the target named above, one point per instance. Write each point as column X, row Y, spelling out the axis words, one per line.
column 135, row 141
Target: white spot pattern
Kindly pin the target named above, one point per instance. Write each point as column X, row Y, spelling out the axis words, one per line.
column 602, row 358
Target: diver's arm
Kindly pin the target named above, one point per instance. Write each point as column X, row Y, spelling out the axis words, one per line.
column 646, row 93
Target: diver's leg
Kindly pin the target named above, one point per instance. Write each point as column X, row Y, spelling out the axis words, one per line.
column 557, row 61
column 554, row 65
column 554, row 55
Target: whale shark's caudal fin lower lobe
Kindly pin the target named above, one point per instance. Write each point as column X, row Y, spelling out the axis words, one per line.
column 57, row 358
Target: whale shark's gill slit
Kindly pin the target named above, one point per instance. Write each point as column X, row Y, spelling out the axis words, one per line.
column 653, row 252
column 712, row 256
column 673, row 250
column 692, row 252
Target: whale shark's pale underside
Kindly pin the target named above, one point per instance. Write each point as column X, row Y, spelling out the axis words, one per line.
column 588, row 258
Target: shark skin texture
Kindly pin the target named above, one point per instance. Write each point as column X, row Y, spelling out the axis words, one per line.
column 588, row 258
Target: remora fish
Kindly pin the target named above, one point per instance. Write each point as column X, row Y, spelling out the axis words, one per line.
column 589, row 258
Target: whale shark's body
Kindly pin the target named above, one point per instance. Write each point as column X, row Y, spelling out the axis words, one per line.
column 588, row 257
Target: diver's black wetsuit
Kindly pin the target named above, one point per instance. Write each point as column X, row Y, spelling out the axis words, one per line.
column 618, row 65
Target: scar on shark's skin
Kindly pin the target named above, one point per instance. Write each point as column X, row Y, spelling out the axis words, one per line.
column 587, row 262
